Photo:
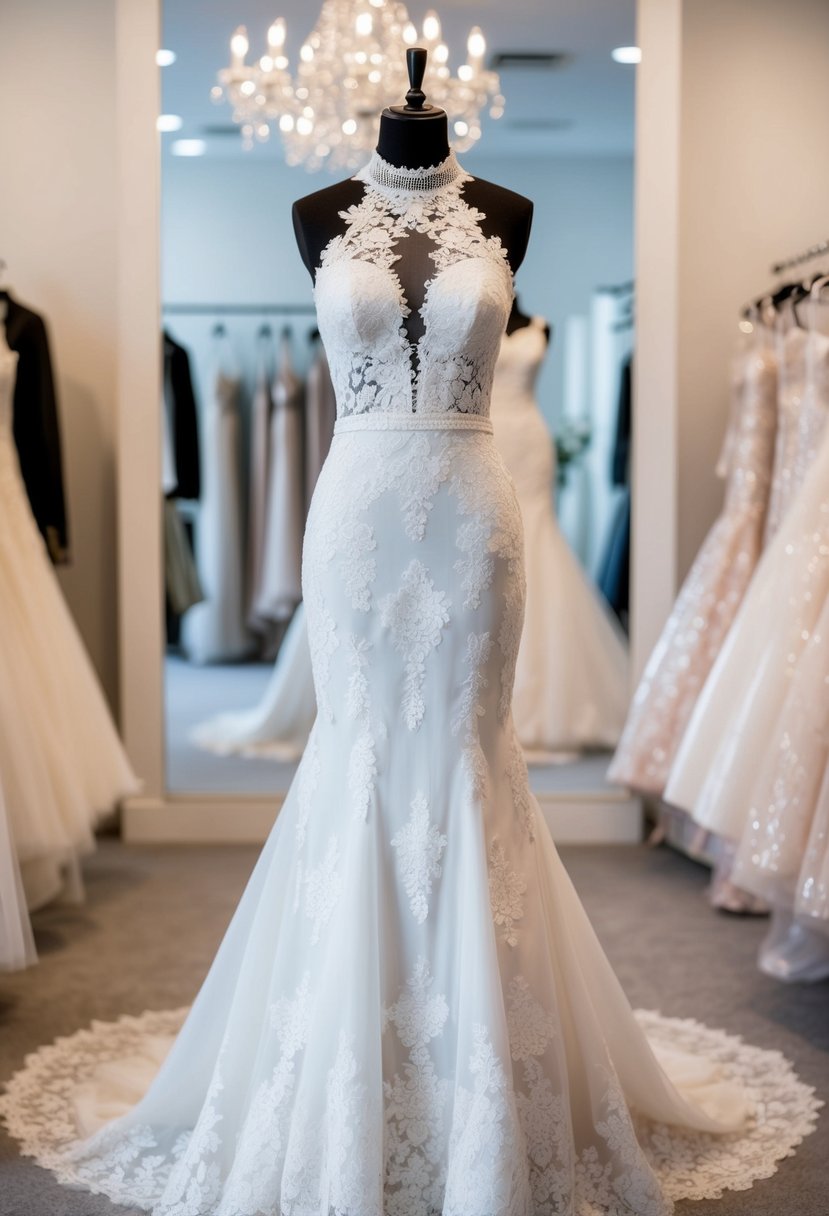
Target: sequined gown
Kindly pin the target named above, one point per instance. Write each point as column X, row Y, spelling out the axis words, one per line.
column 410, row 1015
column 714, row 588
column 733, row 722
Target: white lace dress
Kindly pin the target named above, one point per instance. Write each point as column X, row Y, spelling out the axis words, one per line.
column 410, row 1014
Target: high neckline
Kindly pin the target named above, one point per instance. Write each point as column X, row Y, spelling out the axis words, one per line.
column 397, row 180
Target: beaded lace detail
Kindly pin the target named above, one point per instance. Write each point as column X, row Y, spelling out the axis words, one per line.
column 392, row 177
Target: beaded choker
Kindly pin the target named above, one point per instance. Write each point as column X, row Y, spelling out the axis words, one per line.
column 412, row 181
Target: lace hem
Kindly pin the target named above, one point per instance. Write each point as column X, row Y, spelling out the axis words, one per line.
column 37, row 1105
column 393, row 421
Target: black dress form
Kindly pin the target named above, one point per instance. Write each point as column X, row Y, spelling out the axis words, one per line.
column 36, row 426
column 520, row 320
column 413, row 144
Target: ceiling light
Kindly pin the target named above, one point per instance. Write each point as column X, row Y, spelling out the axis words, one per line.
column 169, row 122
column 165, row 59
column 627, row 54
column 188, row 147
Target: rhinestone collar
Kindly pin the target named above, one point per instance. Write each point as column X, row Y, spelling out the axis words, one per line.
column 412, row 181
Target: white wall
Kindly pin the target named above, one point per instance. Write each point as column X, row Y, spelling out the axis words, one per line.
column 226, row 235
column 57, row 233
column 754, row 187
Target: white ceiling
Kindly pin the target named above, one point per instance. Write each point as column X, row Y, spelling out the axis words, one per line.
column 589, row 102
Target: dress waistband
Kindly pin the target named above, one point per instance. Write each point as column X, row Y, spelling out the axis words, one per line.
column 378, row 420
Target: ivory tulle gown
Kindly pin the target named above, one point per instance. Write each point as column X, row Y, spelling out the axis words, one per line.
column 733, row 721
column 715, row 586
column 410, row 1014
column 571, row 675
column 62, row 765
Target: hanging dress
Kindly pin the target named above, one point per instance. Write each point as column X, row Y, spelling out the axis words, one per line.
column 715, row 586
column 213, row 631
column 62, row 765
column 280, row 588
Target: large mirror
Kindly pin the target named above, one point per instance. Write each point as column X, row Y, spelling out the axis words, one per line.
column 248, row 404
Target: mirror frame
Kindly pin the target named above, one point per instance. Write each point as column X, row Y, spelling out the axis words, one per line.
column 158, row 815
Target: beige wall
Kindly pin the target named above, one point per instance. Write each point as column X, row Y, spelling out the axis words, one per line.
column 753, row 188
column 57, row 234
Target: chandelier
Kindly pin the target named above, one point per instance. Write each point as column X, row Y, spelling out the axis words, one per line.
column 352, row 64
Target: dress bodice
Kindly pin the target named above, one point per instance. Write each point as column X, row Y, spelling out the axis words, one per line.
column 412, row 298
column 749, row 449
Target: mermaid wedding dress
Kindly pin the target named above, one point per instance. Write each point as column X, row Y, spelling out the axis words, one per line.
column 410, row 1014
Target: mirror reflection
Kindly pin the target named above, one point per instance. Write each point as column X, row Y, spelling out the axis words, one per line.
column 249, row 404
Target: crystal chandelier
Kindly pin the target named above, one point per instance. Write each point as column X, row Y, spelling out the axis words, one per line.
column 352, row 64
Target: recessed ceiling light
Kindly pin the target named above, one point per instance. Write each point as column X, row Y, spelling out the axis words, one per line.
column 627, row 54
column 169, row 122
column 188, row 147
column 165, row 59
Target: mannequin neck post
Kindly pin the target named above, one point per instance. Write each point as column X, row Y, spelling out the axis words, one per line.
column 413, row 142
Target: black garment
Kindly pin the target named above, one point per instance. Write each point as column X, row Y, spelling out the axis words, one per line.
column 36, row 426
column 614, row 572
column 180, row 403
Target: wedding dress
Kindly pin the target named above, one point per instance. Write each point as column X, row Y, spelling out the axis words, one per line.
column 733, row 720
column 62, row 765
column 410, row 1014
column 571, row 678
column 715, row 586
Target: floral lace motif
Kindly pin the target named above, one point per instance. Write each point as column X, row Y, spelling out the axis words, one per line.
column 323, row 887
column 506, row 889
column 389, row 372
column 416, row 615
column 419, row 846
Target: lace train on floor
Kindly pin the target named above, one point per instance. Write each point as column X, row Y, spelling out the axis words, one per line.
column 95, row 1075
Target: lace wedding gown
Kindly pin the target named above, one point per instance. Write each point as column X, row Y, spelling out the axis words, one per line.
column 61, row 761
column 571, row 677
column 410, row 1014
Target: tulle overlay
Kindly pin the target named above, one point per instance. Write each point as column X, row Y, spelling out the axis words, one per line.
column 410, row 1013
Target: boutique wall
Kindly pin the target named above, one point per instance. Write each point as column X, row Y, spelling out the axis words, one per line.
column 58, row 217
column 753, row 186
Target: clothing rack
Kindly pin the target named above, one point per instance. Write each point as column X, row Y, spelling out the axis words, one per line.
column 806, row 255
column 238, row 310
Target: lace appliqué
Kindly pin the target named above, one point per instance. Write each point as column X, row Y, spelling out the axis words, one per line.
column 519, row 781
column 419, row 846
column 506, row 890
column 416, row 615
column 308, row 776
column 323, row 887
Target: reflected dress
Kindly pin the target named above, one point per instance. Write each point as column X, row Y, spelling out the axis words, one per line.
column 410, row 1014
column 571, row 677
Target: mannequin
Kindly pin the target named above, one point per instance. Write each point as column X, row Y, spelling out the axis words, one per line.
column 520, row 320
column 412, row 136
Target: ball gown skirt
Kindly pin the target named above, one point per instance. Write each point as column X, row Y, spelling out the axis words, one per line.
column 62, row 765
column 410, row 1013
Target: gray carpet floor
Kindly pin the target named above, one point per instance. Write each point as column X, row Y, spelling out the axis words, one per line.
column 154, row 917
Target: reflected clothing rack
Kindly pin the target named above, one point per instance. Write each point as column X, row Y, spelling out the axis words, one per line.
column 239, row 310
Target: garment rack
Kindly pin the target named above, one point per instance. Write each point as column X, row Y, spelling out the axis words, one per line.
column 806, row 255
column 238, row 310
